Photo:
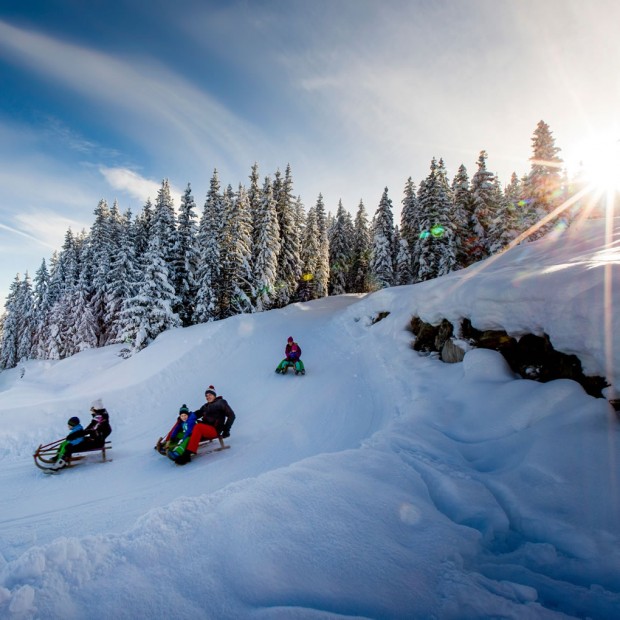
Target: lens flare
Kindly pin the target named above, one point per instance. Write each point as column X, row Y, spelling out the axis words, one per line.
column 596, row 162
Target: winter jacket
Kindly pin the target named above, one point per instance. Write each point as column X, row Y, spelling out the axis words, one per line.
column 76, row 435
column 293, row 352
column 218, row 414
column 187, row 427
column 99, row 427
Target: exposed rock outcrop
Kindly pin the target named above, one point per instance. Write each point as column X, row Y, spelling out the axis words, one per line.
column 531, row 356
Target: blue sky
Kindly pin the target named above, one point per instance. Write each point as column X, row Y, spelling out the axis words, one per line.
column 105, row 99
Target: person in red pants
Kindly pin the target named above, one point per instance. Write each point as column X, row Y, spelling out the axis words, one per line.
column 200, row 432
column 215, row 418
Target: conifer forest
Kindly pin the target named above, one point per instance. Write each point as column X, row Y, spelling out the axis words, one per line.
column 257, row 247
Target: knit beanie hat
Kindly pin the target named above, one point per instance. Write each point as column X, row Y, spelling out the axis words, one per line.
column 97, row 404
column 183, row 409
column 290, row 339
column 210, row 390
column 73, row 421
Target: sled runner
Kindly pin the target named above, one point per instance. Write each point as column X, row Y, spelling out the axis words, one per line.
column 45, row 455
column 160, row 446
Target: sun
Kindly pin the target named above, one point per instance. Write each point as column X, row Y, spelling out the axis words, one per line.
column 596, row 162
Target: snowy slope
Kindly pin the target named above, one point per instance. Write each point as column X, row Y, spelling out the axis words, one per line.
column 383, row 484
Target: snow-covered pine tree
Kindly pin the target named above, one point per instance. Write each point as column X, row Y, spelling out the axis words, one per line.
column 360, row 261
column 437, row 243
column 340, row 251
column 381, row 259
column 209, row 240
column 321, row 279
column 266, row 250
column 254, row 198
column 543, row 185
column 54, row 292
column 124, row 281
column 186, row 261
column 289, row 263
column 502, row 229
column 25, row 311
column 512, row 194
column 68, row 263
column 10, row 326
column 309, row 257
column 114, row 288
column 42, row 307
column 142, row 229
column 101, row 257
column 84, row 327
column 225, row 281
column 238, row 242
column 404, row 271
column 300, row 225
column 466, row 237
column 63, row 279
column 409, row 231
column 484, row 203
column 150, row 312
column 163, row 225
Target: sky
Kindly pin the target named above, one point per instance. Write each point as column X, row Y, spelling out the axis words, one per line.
column 106, row 99
column 382, row 484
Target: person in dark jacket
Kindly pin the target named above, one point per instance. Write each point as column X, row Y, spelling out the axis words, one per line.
column 214, row 419
column 99, row 427
column 216, row 412
column 72, row 443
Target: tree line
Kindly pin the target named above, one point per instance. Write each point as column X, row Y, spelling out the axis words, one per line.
column 257, row 248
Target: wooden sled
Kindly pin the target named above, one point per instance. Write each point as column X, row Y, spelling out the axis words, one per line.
column 45, row 455
column 160, row 446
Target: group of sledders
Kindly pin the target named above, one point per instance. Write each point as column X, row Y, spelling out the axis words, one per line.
column 212, row 420
column 82, row 439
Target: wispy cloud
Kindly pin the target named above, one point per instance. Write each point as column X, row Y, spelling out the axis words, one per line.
column 158, row 105
column 135, row 185
column 21, row 233
column 46, row 227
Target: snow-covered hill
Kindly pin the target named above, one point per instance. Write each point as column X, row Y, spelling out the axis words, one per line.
column 382, row 484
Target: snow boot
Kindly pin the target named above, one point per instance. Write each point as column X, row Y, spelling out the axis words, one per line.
column 184, row 458
column 172, row 455
column 59, row 464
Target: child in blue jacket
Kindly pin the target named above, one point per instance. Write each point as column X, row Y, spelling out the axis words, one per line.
column 179, row 435
column 70, row 444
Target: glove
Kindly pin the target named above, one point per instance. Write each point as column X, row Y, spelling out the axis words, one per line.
column 225, row 434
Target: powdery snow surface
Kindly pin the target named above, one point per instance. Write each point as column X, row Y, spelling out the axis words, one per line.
column 383, row 484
